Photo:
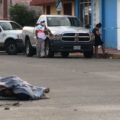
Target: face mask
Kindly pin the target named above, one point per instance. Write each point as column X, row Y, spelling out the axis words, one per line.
column 43, row 24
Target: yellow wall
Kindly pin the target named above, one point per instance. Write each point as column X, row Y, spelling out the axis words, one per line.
column 73, row 8
column 53, row 9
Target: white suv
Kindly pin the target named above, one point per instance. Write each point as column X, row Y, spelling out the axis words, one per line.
column 10, row 37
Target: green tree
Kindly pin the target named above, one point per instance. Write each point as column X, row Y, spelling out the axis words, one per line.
column 22, row 15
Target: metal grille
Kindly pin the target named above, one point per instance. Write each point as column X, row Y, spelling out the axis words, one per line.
column 76, row 37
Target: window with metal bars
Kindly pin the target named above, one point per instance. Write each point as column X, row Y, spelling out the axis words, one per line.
column 85, row 12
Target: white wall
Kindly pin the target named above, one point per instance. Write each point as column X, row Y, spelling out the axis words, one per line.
column 96, row 11
column 118, row 24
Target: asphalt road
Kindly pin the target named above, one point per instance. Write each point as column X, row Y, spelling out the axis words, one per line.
column 81, row 89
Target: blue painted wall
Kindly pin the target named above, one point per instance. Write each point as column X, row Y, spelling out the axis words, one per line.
column 109, row 22
column 108, row 18
column 77, row 8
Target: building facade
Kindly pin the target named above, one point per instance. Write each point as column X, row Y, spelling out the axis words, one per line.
column 5, row 4
column 109, row 15
column 79, row 8
column 105, row 11
column 83, row 11
column 49, row 6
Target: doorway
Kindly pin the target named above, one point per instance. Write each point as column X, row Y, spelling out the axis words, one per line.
column 67, row 8
column 85, row 12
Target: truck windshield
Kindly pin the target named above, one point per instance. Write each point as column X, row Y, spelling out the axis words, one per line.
column 10, row 26
column 63, row 21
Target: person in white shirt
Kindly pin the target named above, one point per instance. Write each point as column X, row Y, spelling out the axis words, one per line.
column 41, row 37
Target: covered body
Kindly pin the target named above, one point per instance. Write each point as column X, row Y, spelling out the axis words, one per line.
column 20, row 88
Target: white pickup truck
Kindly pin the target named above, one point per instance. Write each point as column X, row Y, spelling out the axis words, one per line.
column 69, row 36
column 11, row 37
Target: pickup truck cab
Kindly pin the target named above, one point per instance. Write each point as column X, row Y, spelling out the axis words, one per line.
column 69, row 36
column 11, row 37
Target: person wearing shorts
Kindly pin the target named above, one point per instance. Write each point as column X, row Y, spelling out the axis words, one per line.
column 98, row 41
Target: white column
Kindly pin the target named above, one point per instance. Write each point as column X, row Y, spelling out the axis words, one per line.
column 96, row 12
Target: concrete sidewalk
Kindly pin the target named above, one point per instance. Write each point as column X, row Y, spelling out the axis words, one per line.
column 111, row 53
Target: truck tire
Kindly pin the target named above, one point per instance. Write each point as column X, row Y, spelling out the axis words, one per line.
column 88, row 54
column 28, row 49
column 48, row 53
column 11, row 47
column 64, row 54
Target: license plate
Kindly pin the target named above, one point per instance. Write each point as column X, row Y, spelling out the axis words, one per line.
column 76, row 47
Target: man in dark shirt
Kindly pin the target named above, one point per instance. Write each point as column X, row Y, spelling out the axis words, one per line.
column 98, row 41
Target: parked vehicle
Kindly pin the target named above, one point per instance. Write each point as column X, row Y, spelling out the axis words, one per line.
column 11, row 37
column 69, row 36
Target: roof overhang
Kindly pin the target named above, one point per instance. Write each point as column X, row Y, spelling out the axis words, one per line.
column 41, row 2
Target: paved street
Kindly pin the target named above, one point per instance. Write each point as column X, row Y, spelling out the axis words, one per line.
column 81, row 89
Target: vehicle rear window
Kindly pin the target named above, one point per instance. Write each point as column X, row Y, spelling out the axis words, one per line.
column 10, row 26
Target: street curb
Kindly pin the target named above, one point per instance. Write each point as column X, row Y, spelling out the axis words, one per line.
column 108, row 55
column 115, row 56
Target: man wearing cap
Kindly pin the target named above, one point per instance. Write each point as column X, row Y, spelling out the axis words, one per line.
column 41, row 36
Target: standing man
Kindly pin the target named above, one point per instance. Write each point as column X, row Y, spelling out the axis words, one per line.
column 41, row 36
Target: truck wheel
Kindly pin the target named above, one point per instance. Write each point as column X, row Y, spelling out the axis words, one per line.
column 64, row 54
column 48, row 53
column 28, row 49
column 88, row 54
column 11, row 48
